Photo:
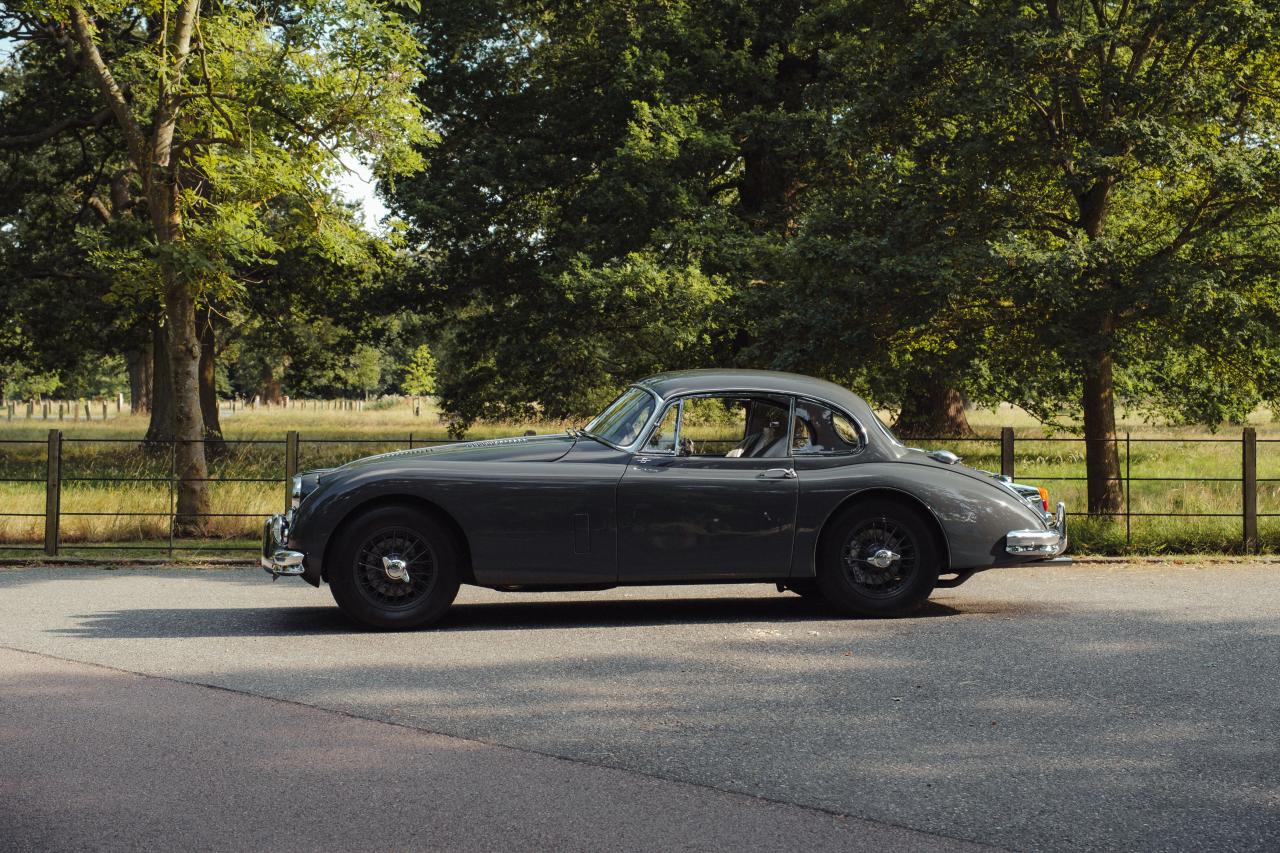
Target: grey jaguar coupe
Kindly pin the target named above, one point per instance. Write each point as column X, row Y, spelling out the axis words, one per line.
column 701, row 476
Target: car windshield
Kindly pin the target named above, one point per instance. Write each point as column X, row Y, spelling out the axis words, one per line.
column 621, row 422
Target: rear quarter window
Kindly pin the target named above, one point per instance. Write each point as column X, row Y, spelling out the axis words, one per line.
column 821, row 430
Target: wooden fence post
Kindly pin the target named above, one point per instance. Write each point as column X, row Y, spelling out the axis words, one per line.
column 1249, row 487
column 290, row 466
column 1006, row 452
column 53, row 493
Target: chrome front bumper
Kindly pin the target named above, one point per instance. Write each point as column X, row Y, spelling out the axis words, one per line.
column 1040, row 543
column 276, row 558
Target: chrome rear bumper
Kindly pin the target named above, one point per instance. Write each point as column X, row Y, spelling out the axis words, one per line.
column 1040, row 543
column 276, row 558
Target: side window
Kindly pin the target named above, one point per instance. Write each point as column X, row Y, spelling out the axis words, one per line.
column 734, row 427
column 663, row 437
column 819, row 429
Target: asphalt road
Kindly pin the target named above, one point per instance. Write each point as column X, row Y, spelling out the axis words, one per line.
column 1104, row 707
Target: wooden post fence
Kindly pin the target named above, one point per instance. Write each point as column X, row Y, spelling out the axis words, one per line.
column 1006, row 451
column 290, row 466
column 53, row 493
column 1249, row 487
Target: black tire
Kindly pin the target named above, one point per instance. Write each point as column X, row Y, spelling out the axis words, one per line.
column 850, row 581
column 358, row 576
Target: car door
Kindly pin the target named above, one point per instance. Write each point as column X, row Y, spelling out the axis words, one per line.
column 712, row 493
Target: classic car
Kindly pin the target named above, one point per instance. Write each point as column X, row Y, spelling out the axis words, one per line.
column 699, row 476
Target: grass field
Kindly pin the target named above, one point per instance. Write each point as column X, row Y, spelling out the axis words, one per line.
column 98, row 509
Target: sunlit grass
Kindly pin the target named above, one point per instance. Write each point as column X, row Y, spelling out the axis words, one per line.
column 137, row 512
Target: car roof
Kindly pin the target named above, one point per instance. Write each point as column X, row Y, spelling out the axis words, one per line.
column 679, row 382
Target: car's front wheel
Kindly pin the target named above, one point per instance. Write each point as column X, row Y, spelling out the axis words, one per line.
column 394, row 568
column 878, row 558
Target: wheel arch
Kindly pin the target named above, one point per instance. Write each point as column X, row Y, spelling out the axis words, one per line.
column 871, row 495
column 466, row 573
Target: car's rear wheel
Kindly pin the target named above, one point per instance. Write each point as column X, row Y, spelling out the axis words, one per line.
column 878, row 558
column 394, row 568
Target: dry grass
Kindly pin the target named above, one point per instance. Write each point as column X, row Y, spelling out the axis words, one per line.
column 137, row 512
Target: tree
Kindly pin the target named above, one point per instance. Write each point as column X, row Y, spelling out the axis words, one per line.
column 364, row 369
column 420, row 373
column 1132, row 153
column 628, row 187
column 553, row 208
column 222, row 114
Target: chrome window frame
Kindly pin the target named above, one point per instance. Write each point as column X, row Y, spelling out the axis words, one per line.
column 678, row 400
column 826, row 454
column 636, row 447
column 644, row 430
column 678, row 403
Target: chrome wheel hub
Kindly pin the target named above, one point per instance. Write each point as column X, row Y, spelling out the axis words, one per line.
column 880, row 556
column 883, row 558
column 396, row 569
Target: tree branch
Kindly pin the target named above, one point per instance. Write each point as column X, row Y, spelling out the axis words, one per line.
column 96, row 205
column 167, row 108
column 208, row 84
column 111, row 91
column 39, row 136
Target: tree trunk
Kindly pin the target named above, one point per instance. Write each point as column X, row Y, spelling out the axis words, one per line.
column 936, row 410
column 1102, row 455
column 161, row 427
column 139, row 364
column 270, row 392
column 209, row 385
column 151, row 152
column 184, row 355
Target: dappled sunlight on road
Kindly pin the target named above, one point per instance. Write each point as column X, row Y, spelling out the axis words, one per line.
column 1062, row 707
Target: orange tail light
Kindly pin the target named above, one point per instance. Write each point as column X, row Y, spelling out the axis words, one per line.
column 1044, row 498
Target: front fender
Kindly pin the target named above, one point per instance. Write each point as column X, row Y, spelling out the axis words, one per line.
column 321, row 513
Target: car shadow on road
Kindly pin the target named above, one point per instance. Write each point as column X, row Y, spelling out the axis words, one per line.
column 174, row 623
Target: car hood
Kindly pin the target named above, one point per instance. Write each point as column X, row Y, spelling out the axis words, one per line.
column 533, row 448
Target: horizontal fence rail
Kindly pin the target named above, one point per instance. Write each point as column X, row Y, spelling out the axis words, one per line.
column 69, row 462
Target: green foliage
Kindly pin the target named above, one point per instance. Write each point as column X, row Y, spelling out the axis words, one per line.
column 993, row 195
column 1123, row 162
column 420, row 373
column 364, row 368
column 273, row 103
column 18, row 382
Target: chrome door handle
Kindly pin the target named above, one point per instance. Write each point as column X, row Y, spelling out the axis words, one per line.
column 777, row 474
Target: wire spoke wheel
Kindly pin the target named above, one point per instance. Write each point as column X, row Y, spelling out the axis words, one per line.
column 880, row 557
column 395, row 568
